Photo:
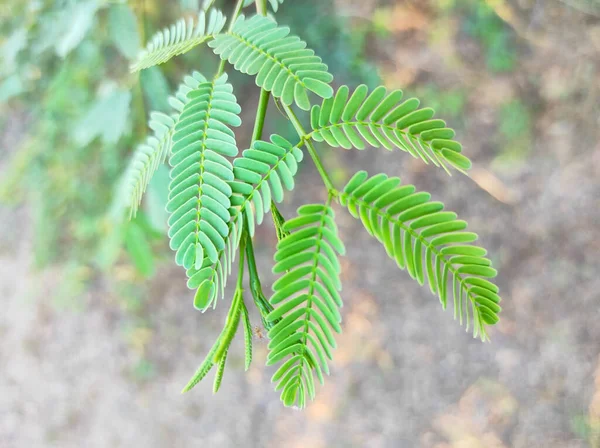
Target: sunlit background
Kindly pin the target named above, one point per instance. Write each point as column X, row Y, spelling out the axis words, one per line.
column 97, row 329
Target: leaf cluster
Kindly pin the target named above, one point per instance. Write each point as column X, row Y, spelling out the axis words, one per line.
column 217, row 197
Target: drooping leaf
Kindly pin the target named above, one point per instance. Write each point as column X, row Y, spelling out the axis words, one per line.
column 430, row 243
column 306, row 300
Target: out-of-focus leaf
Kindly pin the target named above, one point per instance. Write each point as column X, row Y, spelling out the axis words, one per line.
column 10, row 87
column 189, row 5
column 138, row 248
column 157, row 198
column 76, row 23
column 106, row 119
column 109, row 249
column 122, row 28
column 10, row 50
column 156, row 89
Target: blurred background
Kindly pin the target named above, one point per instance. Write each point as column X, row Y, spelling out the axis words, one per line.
column 97, row 330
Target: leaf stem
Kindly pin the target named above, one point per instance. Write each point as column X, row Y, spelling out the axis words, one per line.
column 261, row 113
column 240, row 280
column 263, row 305
column 311, row 149
column 261, row 7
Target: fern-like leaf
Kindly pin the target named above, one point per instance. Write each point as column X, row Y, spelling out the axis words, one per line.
column 218, row 352
column 151, row 154
column 261, row 175
column 282, row 63
column 179, row 38
column 146, row 159
column 430, row 243
column 199, row 191
column 307, row 295
column 210, row 279
column 348, row 121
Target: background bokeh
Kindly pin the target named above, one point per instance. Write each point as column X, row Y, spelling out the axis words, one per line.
column 97, row 329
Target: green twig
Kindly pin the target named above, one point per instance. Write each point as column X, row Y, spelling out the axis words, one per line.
column 263, row 305
column 261, row 113
column 311, row 149
column 261, row 7
column 279, row 221
column 233, row 317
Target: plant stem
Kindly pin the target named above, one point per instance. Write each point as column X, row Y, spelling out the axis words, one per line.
column 240, row 280
column 261, row 7
column 311, row 149
column 263, row 305
column 278, row 221
column 261, row 113
column 236, row 13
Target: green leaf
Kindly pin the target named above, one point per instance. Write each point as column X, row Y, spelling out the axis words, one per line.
column 429, row 243
column 106, row 119
column 199, row 192
column 78, row 20
column 282, row 63
column 380, row 119
column 122, row 28
column 307, row 295
column 139, row 249
column 148, row 157
column 261, row 175
column 179, row 38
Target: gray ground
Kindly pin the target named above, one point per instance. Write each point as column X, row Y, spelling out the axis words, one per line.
column 405, row 373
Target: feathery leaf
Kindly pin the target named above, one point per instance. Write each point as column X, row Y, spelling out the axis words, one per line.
column 307, row 295
column 430, row 243
column 261, row 175
column 179, row 38
column 199, row 191
column 348, row 121
column 282, row 63
column 150, row 155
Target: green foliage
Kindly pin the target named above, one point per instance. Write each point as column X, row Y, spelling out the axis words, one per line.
column 216, row 196
column 179, row 38
column 430, row 243
column 282, row 63
column 383, row 120
column 262, row 175
column 492, row 32
column 59, row 76
column 216, row 204
column 199, row 191
column 515, row 133
column 308, row 297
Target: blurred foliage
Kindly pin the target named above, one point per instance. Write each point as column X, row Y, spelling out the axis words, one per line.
column 448, row 102
column 514, row 133
column 65, row 68
column 480, row 22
